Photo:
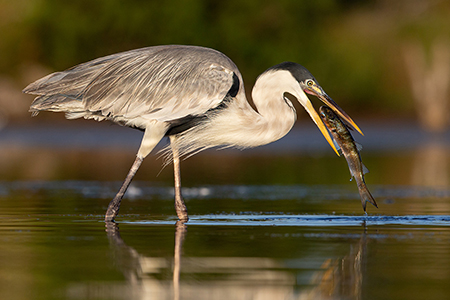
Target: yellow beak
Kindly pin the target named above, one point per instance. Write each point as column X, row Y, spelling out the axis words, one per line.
column 315, row 117
column 317, row 91
column 346, row 118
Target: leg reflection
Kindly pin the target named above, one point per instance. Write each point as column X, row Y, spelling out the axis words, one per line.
column 137, row 268
column 180, row 234
column 154, row 275
column 126, row 258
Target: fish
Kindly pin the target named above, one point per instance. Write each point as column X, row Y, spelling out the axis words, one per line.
column 350, row 149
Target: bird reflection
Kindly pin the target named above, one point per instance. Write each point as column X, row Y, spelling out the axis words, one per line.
column 241, row 278
column 130, row 262
column 180, row 234
column 342, row 278
column 126, row 258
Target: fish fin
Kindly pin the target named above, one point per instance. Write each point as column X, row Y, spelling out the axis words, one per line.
column 358, row 146
column 366, row 196
column 365, row 170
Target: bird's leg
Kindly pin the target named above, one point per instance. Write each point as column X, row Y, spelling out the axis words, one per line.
column 114, row 205
column 180, row 207
column 152, row 135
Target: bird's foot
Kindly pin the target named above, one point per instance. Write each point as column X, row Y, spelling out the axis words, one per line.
column 109, row 218
column 113, row 210
column 183, row 216
column 181, row 210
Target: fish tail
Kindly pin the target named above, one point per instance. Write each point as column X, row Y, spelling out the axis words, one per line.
column 366, row 196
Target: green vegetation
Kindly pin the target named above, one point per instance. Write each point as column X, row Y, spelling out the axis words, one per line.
column 353, row 48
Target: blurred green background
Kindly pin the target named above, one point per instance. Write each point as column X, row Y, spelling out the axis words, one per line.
column 357, row 50
column 385, row 62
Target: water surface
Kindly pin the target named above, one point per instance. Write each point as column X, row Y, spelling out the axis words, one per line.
column 284, row 222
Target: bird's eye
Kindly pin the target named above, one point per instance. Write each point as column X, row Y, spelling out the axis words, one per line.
column 310, row 83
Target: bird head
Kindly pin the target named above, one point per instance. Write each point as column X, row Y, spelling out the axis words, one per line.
column 308, row 85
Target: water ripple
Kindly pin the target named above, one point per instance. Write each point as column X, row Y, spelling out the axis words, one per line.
column 310, row 220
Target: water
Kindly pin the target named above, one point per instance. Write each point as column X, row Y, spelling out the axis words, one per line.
column 282, row 222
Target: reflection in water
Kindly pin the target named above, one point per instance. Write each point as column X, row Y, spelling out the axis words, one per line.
column 342, row 278
column 180, row 233
column 231, row 277
column 127, row 260
column 139, row 270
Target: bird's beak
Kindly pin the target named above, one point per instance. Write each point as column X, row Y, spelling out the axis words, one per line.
column 317, row 91
column 315, row 117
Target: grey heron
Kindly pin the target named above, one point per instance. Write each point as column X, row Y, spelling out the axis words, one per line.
column 193, row 95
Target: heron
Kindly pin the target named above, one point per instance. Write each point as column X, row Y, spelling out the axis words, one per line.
column 193, row 95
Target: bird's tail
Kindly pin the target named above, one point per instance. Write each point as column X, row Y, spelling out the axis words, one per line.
column 56, row 103
column 366, row 196
column 57, row 92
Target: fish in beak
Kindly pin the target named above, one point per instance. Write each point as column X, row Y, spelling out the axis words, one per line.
column 312, row 88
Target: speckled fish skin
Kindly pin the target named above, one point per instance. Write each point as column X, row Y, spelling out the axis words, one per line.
column 343, row 137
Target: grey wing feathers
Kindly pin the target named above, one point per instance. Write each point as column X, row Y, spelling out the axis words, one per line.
column 162, row 83
column 62, row 91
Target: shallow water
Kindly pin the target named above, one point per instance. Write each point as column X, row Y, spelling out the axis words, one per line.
column 280, row 223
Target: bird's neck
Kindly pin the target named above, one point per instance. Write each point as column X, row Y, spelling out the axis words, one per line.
column 243, row 127
column 239, row 125
column 276, row 114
